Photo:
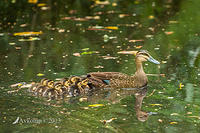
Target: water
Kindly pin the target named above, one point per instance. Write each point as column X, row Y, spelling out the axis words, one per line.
column 68, row 42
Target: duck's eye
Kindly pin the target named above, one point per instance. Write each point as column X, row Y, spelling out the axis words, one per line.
column 145, row 54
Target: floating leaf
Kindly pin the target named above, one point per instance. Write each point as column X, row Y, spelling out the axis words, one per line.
column 151, row 17
column 156, row 104
column 174, row 114
column 98, row 67
column 108, row 121
column 173, row 22
column 169, row 32
column 127, row 52
column 83, row 99
column 85, row 49
column 96, row 105
column 123, row 15
column 173, row 122
column 41, row 4
column 112, row 28
column 32, row 1
column 108, row 57
column 12, row 43
column 136, row 40
column 18, row 84
column 159, row 120
column 77, row 54
column 180, row 86
column 89, row 52
column 29, row 39
column 40, row 74
column 102, row 2
column 27, row 33
column 198, row 117
column 138, row 47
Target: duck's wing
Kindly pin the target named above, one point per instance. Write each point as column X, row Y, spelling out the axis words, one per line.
column 107, row 75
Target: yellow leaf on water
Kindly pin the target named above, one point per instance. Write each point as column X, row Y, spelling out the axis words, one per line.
column 98, row 2
column 41, row 4
column 27, row 33
column 96, row 105
column 173, row 122
column 40, row 74
column 32, row 1
column 151, row 17
column 112, row 28
column 180, row 86
column 156, row 104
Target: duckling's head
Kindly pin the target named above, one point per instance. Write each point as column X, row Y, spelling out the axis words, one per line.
column 66, row 83
column 44, row 81
column 57, row 86
column 50, row 83
column 74, row 79
column 85, row 82
column 144, row 55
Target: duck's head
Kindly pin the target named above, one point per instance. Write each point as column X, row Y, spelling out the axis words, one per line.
column 141, row 56
column 58, row 86
column 144, row 55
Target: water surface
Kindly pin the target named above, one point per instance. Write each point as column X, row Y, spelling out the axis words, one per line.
column 77, row 37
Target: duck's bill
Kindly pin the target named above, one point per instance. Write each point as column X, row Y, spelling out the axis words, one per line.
column 151, row 59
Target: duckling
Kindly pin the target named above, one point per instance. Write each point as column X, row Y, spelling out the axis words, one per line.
column 65, row 86
column 55, row 92
column 34, row 85
column 73, row 88
column 83, row 86
column 45, row 84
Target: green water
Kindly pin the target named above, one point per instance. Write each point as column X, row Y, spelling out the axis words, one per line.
column 168, row 29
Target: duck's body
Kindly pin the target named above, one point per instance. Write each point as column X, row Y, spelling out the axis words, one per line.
column 120, row 80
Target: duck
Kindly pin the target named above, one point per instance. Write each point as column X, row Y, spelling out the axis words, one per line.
column 120, row 80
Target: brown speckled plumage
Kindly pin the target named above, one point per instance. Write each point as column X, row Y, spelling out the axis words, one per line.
column 120, row 80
